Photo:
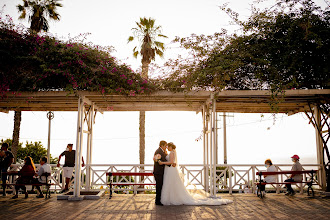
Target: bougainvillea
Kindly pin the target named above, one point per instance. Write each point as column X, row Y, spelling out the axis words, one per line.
column 35, row 62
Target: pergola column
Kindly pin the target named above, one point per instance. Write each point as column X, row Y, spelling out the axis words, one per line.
column 209, row 123
column 319, row 147
column 205, row 148
column 214, row 146
column 90, row 122
column 79, row 141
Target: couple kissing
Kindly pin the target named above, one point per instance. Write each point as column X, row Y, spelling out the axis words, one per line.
column 170, row 187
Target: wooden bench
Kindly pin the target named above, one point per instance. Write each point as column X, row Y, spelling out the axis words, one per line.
column 309, row 183
column 112, row 174
column 47, row 183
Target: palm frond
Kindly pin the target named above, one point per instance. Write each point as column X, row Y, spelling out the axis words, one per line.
column 146, row 32
column 159, row 44
column 135, row 54
column 161, row 35
column 130, row 39
column 159, row 53
column 39, row 12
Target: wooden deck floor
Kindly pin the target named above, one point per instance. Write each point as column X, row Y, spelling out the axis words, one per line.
column 245, row 206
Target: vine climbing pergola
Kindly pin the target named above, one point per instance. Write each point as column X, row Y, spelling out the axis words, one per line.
column 314, row 103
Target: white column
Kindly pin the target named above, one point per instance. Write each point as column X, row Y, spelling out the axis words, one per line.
column 224, row 139
column 207, row 120
column 93, row 115
column 204, row 148
column 89, row 145
column 49, row 116
column 214, row 145
column 319, row 147
column 216, row 139
column 210, row 148
column 80, row 123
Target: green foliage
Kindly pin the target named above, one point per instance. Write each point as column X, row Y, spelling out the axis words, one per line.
column 39, row 11
column 146, row 33
column 35, row 150
column 283, row 47
column 32, row 62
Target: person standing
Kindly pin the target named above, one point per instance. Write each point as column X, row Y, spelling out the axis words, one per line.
column 294, row 177
column 70, row 158
column 6, row 158
column 160, row 155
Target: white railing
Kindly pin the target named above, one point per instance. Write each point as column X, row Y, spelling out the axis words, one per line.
column 229, row 177
column 56, row 177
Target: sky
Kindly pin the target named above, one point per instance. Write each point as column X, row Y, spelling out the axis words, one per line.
column 251, row 138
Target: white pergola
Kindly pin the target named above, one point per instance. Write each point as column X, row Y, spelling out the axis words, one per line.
column 87, row 104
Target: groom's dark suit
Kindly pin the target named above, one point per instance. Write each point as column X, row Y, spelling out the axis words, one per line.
column 159, row 173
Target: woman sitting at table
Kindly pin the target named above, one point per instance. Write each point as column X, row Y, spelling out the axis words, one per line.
column 26, row 175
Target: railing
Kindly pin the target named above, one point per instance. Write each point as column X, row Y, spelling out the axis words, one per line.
column 56, row 176
column 229, row 177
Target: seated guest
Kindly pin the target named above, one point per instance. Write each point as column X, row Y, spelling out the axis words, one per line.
column 270, row 168
column 25, row 177
column 44, row 168
column 269, row 178
column 294, row 177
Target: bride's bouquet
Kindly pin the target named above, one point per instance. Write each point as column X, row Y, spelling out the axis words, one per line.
column 157, row 157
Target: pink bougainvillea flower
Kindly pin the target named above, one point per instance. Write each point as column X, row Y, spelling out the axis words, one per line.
column 132, row 93
column 114, row 70
column 130, row 82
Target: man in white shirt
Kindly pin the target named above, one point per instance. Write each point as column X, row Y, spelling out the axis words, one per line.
column 44, row 168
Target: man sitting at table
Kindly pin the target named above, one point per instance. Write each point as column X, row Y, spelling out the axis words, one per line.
column 44, row 168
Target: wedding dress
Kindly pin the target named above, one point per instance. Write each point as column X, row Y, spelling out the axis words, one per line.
column 174, row 191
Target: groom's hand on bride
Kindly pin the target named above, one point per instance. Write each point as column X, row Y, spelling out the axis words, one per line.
column 160, row 162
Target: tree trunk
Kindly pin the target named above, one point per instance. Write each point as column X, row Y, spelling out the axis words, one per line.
column 17, row 126
column 142, row 136
column 144, row 74
column 145, row 70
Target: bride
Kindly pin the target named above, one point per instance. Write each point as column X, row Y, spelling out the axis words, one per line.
column 174, row 191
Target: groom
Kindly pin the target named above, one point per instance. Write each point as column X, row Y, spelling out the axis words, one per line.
column 159, row 170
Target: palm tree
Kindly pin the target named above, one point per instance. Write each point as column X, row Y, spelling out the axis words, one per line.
column 146, row 33
column 39, row 11
column 17, row 126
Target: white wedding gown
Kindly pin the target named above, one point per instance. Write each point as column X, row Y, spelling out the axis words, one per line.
column 174, row 191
